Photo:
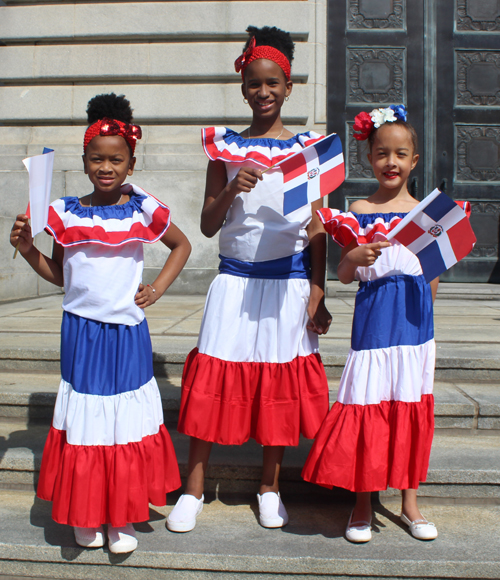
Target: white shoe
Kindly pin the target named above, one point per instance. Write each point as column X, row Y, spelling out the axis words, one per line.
column 183, row 517
column 122, row 540
column 421, row 529
column 272, row 512
column 89, row 537
column 358, row 532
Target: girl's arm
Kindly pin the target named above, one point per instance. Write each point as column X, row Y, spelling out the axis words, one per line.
column 319, row 317
column 180, row 250
column 354, row 256
column 434, row 287
column 219, row 194
column 49, row 269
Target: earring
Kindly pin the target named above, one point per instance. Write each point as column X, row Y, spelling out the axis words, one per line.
column 286, row 98
column 245, row 101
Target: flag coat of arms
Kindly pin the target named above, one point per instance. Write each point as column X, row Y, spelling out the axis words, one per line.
column 438, row 232
column 312, row 173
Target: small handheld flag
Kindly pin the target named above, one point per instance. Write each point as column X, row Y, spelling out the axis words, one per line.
column 438, row 232
column 312, row 173
column 40, row 182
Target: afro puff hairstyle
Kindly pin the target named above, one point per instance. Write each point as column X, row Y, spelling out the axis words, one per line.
column 110, row 106
column 272, row 36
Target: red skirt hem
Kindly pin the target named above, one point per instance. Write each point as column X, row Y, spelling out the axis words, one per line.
column 230, row 402
column 94, row 485
column 373, row 447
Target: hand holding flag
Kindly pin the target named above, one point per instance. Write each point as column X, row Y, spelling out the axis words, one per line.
column 438, row 232
column 312, row 173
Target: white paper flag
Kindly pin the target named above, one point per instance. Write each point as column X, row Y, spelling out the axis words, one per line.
column 40, row 181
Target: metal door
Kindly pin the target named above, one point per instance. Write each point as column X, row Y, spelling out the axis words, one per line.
column 440, row 60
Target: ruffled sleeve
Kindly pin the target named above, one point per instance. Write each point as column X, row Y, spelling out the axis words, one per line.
column 142, row 219
column 344, row 227
column 227, row 145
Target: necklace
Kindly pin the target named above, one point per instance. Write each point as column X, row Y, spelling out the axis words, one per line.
column 92, row 197
column 282, row 130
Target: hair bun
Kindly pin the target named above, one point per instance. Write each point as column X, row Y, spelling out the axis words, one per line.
column 110, row 106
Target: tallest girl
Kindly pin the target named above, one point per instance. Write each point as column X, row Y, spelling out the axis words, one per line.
column 256, row 371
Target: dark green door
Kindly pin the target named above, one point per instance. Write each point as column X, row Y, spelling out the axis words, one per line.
column 442, row 60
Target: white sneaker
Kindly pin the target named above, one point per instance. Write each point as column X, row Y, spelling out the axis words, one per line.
column 358, row 532
column 272, row 512
column 122, row 540
column 89, row 537
column 421, row 529
column 183, row 517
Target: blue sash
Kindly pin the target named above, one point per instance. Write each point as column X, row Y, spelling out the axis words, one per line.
column 296, row 266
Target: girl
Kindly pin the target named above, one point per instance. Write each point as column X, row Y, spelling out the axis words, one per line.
column 379, row 432
column 256, row 371
column 108, row 454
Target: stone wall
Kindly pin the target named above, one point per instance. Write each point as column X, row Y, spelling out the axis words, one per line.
column 174, row 61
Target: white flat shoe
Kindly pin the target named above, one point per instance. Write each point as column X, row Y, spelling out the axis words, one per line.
column 421, row 529
column 183, row 517
column 122, row 540
column 358, row 532
column 89, row 537
column 272, row 512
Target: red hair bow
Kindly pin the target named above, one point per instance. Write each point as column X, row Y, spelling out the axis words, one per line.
column 241, row 62
column 363, row 125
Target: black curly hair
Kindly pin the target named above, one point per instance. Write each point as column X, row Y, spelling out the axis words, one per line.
column 111, row 106
column 272, row 36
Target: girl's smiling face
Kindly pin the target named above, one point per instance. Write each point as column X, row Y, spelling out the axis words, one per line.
column 265, row 87
column 392, row 156
column 108, row 161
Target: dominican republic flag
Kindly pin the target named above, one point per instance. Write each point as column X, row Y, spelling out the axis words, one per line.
column 438, row 232
column 312, row 173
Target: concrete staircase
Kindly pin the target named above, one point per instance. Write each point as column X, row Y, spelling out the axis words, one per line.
column 462, row 493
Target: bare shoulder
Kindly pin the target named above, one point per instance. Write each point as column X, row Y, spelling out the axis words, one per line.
column 361, row 206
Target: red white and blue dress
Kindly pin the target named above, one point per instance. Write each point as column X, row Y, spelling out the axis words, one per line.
column 108, row 454
column 379, row 432
column 256, row 371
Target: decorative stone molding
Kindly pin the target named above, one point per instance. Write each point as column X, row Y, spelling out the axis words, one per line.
column 358, row 166
column 477, row 16
column 376, row 14
column 376, row 75
column 478, row 78
column 478, row 153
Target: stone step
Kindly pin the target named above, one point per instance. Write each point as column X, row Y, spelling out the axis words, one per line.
column 466, row 330
column 461, row 466
column 229, row 543
column 454, row 361
column 467, row 406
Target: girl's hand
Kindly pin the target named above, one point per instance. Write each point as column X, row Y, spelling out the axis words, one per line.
column 146, row 295
column 319, row 317
column 246, row 179
column 21, row 234
column 366, row 254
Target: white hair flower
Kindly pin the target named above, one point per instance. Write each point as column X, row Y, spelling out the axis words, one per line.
column 381, row 116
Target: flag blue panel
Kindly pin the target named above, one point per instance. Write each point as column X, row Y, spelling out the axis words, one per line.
column 295, row 198
column 439, row 207
column 327, row 148
column 431, row 261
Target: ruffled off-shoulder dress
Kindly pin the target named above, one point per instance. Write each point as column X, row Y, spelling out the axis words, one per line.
column 256, row 371
column 379, row 432
column 108, row 454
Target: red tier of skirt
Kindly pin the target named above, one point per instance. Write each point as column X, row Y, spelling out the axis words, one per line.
column 229, row 402
column 373, row 447
column 94, row 485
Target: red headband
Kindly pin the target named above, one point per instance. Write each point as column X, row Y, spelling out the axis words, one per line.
column 255, row 52
column 110, row 127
